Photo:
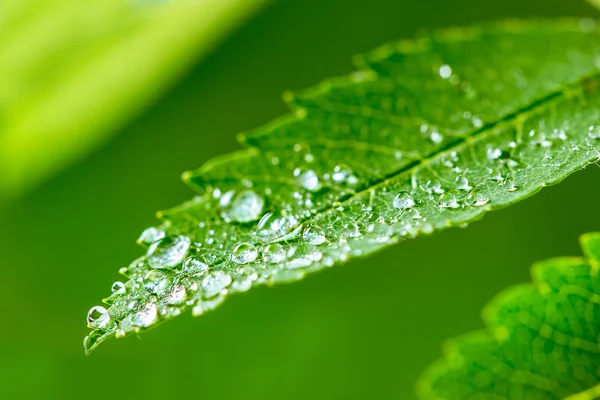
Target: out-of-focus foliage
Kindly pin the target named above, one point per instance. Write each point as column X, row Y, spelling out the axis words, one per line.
column 71, row 71
column 416, row 140
column 542, row 342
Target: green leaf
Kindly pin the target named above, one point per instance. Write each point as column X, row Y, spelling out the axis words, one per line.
column 72, row 71
column 542, row 340
column 425, row 135
column 595, row 3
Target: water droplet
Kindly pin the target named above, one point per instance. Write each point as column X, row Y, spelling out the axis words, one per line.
column 314, row 235
column 351, row 230
column 150, row 236
column 538, row 137
column 273, row 253
column 340, row 174
column 445, row 71
column 413, row 213
column 436, row 137
column 449, row 201
column 195, row 265
column 168, row 252
column 146, row 317
column 434, row 187
column 594, row 132
column 98, row 317
column 176, row 295
column 309, row 180
column 242, row 284
column 462, row 183
column 480, row 200
column 493, row 153
column 155, row 281
column 246, row 206
column 496, row 175
column 303, row 256
column 274, row 224
column 403, row 200
column 510, row 185
column 244, row 253
column 214, row 283
column 380, row 232
column 118, row 288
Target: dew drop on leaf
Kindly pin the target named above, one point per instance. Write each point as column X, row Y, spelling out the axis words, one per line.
column 309, row 180
column 246, row 206
column 168, row 252
column 244, row 253
column 176, row 295
column 351, row 230
column 194, row 265
column 150, row 236
column 214, row 283
column 273, row 253
column 98, row 317
column 314, row 235
column 403, row 200
column 118, row 288
column 146, row 317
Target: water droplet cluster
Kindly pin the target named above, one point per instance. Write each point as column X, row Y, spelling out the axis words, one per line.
column 418, row 142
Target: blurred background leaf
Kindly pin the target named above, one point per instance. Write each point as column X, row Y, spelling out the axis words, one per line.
column 338, row 335
column 72, row 71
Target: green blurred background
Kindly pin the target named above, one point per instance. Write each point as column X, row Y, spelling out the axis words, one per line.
column 365, row 330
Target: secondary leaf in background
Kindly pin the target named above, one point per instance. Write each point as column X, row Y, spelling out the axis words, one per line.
column 541, row 342
column 71, row 71
column 425, row 135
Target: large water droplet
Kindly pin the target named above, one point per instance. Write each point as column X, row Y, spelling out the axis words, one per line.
column 449, row 201
column 98, row 317
column 246, row 206
column 176, row 295
column 273, row 253
column 195, row 265
column 214, row 283
column 314, row 235
column 303, row 256
column 274, row 224
column 445, row 71
column 150, row 236
column 168, row 252
column 403, row 200
column 244, row 253
column 146, row 317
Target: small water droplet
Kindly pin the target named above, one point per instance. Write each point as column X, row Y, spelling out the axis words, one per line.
column 155, row 281
column 434, row 187
column 351, row 230
column 246, row 206
column 445, row 71
column 594, row 132
column 510, row 185
column 403, row 200
column 496, row 175
column 314, row 235
column 98, row 317
column 493, row 153
column 449, row 201
column 244, row 253
column 436, row 137
column 413, row 213
column 273, row 253
column 242, row 284
column 309, row 180
column 168, row 252
column 118, row 288
column 303, row 256
column 195, row 266
column 462, row 183
column 214, row 283
column 480, row 200
column 380, row 232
